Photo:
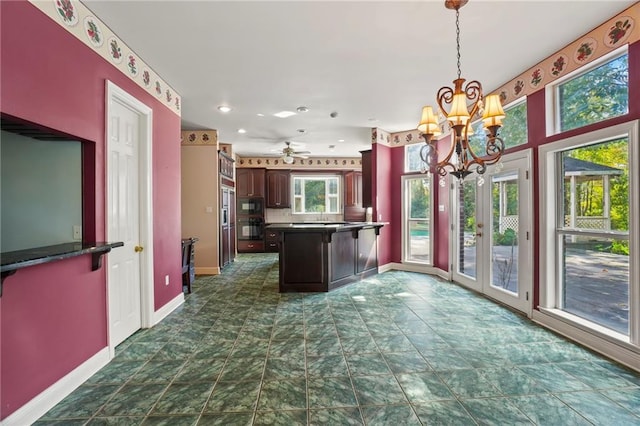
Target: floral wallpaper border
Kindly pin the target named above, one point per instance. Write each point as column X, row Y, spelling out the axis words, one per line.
column 333, row 163
column 614, row 33
column 78, row 20
column 199, row 137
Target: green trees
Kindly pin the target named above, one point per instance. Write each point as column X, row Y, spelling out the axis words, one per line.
column 596, row 95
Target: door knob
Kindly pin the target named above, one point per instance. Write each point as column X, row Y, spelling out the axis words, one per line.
column 138, row 249
column 479, row 234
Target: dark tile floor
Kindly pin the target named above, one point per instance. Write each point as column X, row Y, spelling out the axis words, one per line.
column 396, row 349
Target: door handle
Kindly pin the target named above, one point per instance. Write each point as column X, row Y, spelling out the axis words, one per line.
column 479, row 234
column 138, row 249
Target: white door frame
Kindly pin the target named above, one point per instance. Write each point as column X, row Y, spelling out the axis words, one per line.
column 525, row 268
column 145, row 182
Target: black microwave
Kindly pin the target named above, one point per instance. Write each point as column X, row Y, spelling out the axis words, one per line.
column 250, row 206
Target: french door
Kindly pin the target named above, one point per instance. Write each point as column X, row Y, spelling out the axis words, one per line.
column 493, row 235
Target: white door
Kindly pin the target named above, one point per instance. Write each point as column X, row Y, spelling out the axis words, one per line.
column 125, row 313
column 492, row 253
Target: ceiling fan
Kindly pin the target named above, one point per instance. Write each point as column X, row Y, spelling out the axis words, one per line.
column 289, row 153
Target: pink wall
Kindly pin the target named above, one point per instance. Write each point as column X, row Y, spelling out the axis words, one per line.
column 53, row 316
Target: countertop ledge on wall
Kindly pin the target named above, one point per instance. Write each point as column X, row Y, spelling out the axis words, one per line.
column 14, row 260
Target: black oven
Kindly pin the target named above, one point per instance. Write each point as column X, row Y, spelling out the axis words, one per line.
column 250, row 228
column 251, row 206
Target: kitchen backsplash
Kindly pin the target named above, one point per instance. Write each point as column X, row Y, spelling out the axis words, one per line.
column 285, row 216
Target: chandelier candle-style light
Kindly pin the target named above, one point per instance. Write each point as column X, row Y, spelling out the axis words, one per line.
column 465, row 102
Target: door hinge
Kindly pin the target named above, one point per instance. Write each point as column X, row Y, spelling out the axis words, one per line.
column 452, row 227
column 526, row 174
column 527, row 295
column 451, row 267
column 527, row 235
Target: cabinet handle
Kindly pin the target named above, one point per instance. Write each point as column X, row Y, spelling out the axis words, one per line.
column 250, row 245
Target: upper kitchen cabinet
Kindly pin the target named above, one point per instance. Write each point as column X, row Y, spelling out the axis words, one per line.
column 367, row 177
column 250, row 182
column 353, row 188
column 278, row 189
column 353, row 209
column 226, row 165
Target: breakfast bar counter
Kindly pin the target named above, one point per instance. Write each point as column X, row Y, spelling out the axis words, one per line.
column 318, row 257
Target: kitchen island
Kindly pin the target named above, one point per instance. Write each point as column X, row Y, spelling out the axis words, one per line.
column 318, row 257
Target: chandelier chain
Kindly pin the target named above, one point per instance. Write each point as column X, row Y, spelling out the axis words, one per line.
column 458, row 38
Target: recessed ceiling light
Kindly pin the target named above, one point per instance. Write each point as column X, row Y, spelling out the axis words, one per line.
column 302, row 131
column 242, row 131
column 260, row 114
column 224, row 108
column 340, row 140
column 302, row 109
column 284, row 114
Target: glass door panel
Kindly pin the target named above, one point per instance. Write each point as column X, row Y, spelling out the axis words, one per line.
column 504, row 236
column 467, row 242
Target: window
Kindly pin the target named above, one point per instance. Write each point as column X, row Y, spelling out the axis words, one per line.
column 412, row 160
column 589, row 246
column 513, row 131
column 316, row 194
column 594, row 95
column 417, row 223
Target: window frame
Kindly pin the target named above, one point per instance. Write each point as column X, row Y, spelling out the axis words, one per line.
column 520, row 101
column 550, row 247
column 326, row 178
column 405, row 216
column 552, row 97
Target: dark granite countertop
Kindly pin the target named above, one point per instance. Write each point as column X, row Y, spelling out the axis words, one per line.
column 22, row 258
column 324, row 226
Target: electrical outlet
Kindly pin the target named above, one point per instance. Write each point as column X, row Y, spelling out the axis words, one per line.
column 166, row 280
column 77, row 232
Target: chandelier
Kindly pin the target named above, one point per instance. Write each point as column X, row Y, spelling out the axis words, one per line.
column 465, row 102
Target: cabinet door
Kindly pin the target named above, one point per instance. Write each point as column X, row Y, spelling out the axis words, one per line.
column 257, row 182
column 366, row 178
column 278, row 189
column 250, row 182
column 353, row 189
column 242, row 182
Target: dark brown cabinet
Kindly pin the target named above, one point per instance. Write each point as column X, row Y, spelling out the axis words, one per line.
column 353, row 189
column 271, row 241
column 278, row 189
column 250, row 182
column 367, row 176
column 226, row 165
column 353, row 208
column 250, row 246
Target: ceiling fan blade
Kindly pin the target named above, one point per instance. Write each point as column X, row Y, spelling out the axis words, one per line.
column 301, row 152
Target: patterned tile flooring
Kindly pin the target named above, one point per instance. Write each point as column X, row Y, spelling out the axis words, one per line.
column 396, row 349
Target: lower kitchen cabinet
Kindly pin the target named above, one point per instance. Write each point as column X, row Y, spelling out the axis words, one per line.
column 271, row 241
column 250, row 246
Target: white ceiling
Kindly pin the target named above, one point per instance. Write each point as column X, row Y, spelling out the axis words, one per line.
column 375, row 63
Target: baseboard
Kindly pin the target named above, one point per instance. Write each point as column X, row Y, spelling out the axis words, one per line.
column 207, row 270
column 409, row 267
column 614, row 350
column 47, row 399
column 162, row 313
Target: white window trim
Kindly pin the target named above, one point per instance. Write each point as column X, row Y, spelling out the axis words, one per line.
column 405, row 214
column 552, row 100
column 318, row 177
column 599, row 338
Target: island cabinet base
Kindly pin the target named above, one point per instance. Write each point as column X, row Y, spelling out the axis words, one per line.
column 319, row 260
